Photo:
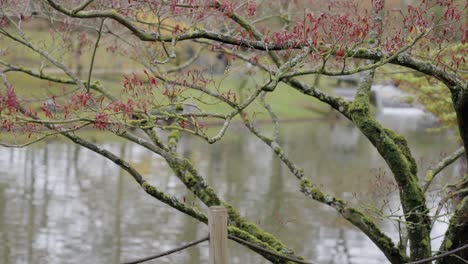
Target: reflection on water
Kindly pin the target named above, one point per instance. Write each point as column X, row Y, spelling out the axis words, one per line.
column 63, row 204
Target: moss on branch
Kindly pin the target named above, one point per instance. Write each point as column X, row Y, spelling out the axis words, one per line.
column 455, row 235
column 396, row 153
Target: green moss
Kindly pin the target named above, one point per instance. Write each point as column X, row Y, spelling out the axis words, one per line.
column 429, row 175
column 396, row 153
column 305, row 183
column 179, row 108
column 204, row 192
column 360, row 106
column 146, row 186
column 173, row 137
column 403, row 145
column 448, row 243
column 425, row 242
column 277, row 148
column 371, row 41
column 236, row 220
column 309, row 189
column 360, row 115
column 391, row 146
column 372, row 231
column 457, row 230
column 239, row 233
column 361, row 52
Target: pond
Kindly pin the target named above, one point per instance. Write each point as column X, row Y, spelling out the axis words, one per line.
column 63, row 204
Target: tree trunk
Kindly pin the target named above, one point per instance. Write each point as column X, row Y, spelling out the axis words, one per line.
column 461, row 108
column 456, row 235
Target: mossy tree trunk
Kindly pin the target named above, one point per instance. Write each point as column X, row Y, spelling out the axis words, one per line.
column 457, row 233
column 394, row 150
column 460, row 100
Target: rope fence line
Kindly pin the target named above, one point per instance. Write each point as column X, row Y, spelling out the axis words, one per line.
column 438, row 256
column 196, row 242
column 217, row 223
column 241, row 241
column 165, row 253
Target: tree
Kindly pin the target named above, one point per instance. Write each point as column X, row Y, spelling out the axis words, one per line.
column 275, row 43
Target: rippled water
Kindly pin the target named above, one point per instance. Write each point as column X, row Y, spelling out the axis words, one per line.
column 63, row 204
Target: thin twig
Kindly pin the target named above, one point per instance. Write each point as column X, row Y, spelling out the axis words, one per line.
column 431, row 173
column 273, row 116
column 82, row 6
column 94, row 54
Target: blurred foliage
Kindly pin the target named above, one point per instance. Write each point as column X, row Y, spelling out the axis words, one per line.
column 431, row 93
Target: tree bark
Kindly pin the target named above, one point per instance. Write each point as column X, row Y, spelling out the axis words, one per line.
column 456, row 235
column 394, row 150
column 460, row 100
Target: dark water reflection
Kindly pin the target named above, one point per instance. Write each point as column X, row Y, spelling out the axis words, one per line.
column 63, row 204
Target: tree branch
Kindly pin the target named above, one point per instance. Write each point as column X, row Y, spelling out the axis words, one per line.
column 433, row 172
column 452, row 81
column 196, row 184
column 94, row 54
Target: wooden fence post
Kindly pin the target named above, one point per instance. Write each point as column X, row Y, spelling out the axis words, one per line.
column 217, row 225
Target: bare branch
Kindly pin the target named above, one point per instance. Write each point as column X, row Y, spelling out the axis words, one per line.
column 82, row 6
column 433, row 172
column 94, row 53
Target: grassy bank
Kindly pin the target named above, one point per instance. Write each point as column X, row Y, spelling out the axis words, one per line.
column 110, row 69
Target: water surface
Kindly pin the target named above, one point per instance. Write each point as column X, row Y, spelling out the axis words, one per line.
column 63, row 204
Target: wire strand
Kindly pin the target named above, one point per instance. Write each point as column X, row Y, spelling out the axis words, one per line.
column 174, row 250
column 439, row 255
